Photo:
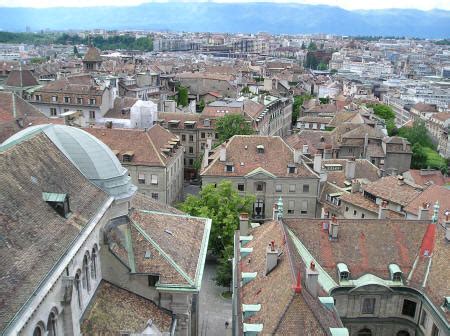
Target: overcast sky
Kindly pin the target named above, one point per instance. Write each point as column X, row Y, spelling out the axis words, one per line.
column 348, row 4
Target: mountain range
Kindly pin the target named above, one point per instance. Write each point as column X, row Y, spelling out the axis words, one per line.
column 251, row 17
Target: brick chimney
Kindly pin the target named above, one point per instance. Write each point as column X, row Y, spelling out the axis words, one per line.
column 312, row 279
column 317, row 163
column 222, row 153
column 424, row 211
column 243, row 224
column 350, row 169
column 271, row 257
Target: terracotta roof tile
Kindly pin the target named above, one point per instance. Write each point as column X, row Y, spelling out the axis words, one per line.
column 391, row 189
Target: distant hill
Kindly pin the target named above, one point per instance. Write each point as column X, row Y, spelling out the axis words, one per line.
column 234, row 17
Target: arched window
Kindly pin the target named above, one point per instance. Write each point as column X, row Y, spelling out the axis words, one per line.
column 77, row 284
column 86, row 275
column 94, row 263
column 365, row 332
column 51, row 324
column 403, row 333
column 39, row 330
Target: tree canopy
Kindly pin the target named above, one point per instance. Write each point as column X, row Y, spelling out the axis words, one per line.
column 232, row 124
column 182, row 96
column 296, row 106
column 385, row 112
column 223, row 204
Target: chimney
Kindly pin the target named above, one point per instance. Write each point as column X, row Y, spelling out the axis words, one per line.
column 400, row 180
column 382, row 210
column 312, row 279
column 355, row 186
column 305, row 149
column 275, row 212
column 317, row 163
column 333, row 228
column 271, row 257
column 424, row 211
column 243, row 224
column 222, row 153
column 350, row 169
column 297, row 156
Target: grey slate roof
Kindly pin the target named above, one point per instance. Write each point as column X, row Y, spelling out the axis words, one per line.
column 33, row 235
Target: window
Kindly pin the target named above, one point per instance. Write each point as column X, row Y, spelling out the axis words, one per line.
column 354, row 212
column 191, row 138
column 397, row 276
column 291, row 169
column 38, row 331
column 304, row 209
column 38, row 98
column 91, row 114
column 216, row 135
column 52, row 112
column 54, row 99
column 291, row 207
column 202, row 135
column 92, row 101
column 51, row 324
column 86, row 276
column 434, row 330
column 346, row 208
column 77, row 286
column 292, row 188
column 191, row 150
column 66, row 99
column 260, row 149
column 343, row 276
column 363, row 215
column 183, row 137
column 191, row 162
column 423, row 318
column 365, row 332
column 368, row 306
column 66, row 110
column 154, row 179
column 94, row 263
column 278, row 188
column 259, row 186
column 155, row 196
column 306, row 188
column 240, row 187
column 141, row 178
column 80, row 101
column 153, row 280
column 409, row 308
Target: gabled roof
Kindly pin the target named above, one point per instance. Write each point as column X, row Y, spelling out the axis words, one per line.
column 114, row 309
column 92, row 55
column 430, row 195
column 171, row 246
column 391, row 189
column 21, row 78
column 33, row 235
column 242, row 151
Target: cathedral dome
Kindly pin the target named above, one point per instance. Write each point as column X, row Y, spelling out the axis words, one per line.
column 91, row 156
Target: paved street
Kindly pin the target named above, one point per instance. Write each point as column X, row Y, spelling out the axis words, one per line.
column 214, row 310
column 190, row 189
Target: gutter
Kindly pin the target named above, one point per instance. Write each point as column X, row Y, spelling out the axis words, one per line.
column 22, row 316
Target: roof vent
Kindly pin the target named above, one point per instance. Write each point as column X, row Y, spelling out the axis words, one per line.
column 168, row 232
column 260, row 149
column 395, row 272
column 147, row 255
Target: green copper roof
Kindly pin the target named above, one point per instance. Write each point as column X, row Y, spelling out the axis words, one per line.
column 339, row 331
column 53, row 197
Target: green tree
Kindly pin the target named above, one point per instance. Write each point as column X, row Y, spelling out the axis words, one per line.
column 322, row 66
column 333, row 71
column 417, row 134
column 223, row 204
column 232, row 124
column 182, row 96
column 297, row 105
column 325, row 100
column 245, row 90
column 303, row 46
column 201, row 105
column 224, row 272
column 311, row 61
column 312, row 46
column 75, row 51
column 419, row 157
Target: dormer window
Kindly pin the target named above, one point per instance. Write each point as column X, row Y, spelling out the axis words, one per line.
column 229, row 168
column 291, row 169
column 260, row 149
column 79, row 101
column 66, row 100
column 127, row 156
column 38, row 97
column 59, row 202
column 54, row 99
column 206, row 122
column 395, row 272
column 343, row 272
column 92, row 101
column 446, row 304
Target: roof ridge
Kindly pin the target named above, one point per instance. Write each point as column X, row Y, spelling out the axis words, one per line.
column 163, row 253
column 154, row 147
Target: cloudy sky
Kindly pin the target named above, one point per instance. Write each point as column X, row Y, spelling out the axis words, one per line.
column 348, row 4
